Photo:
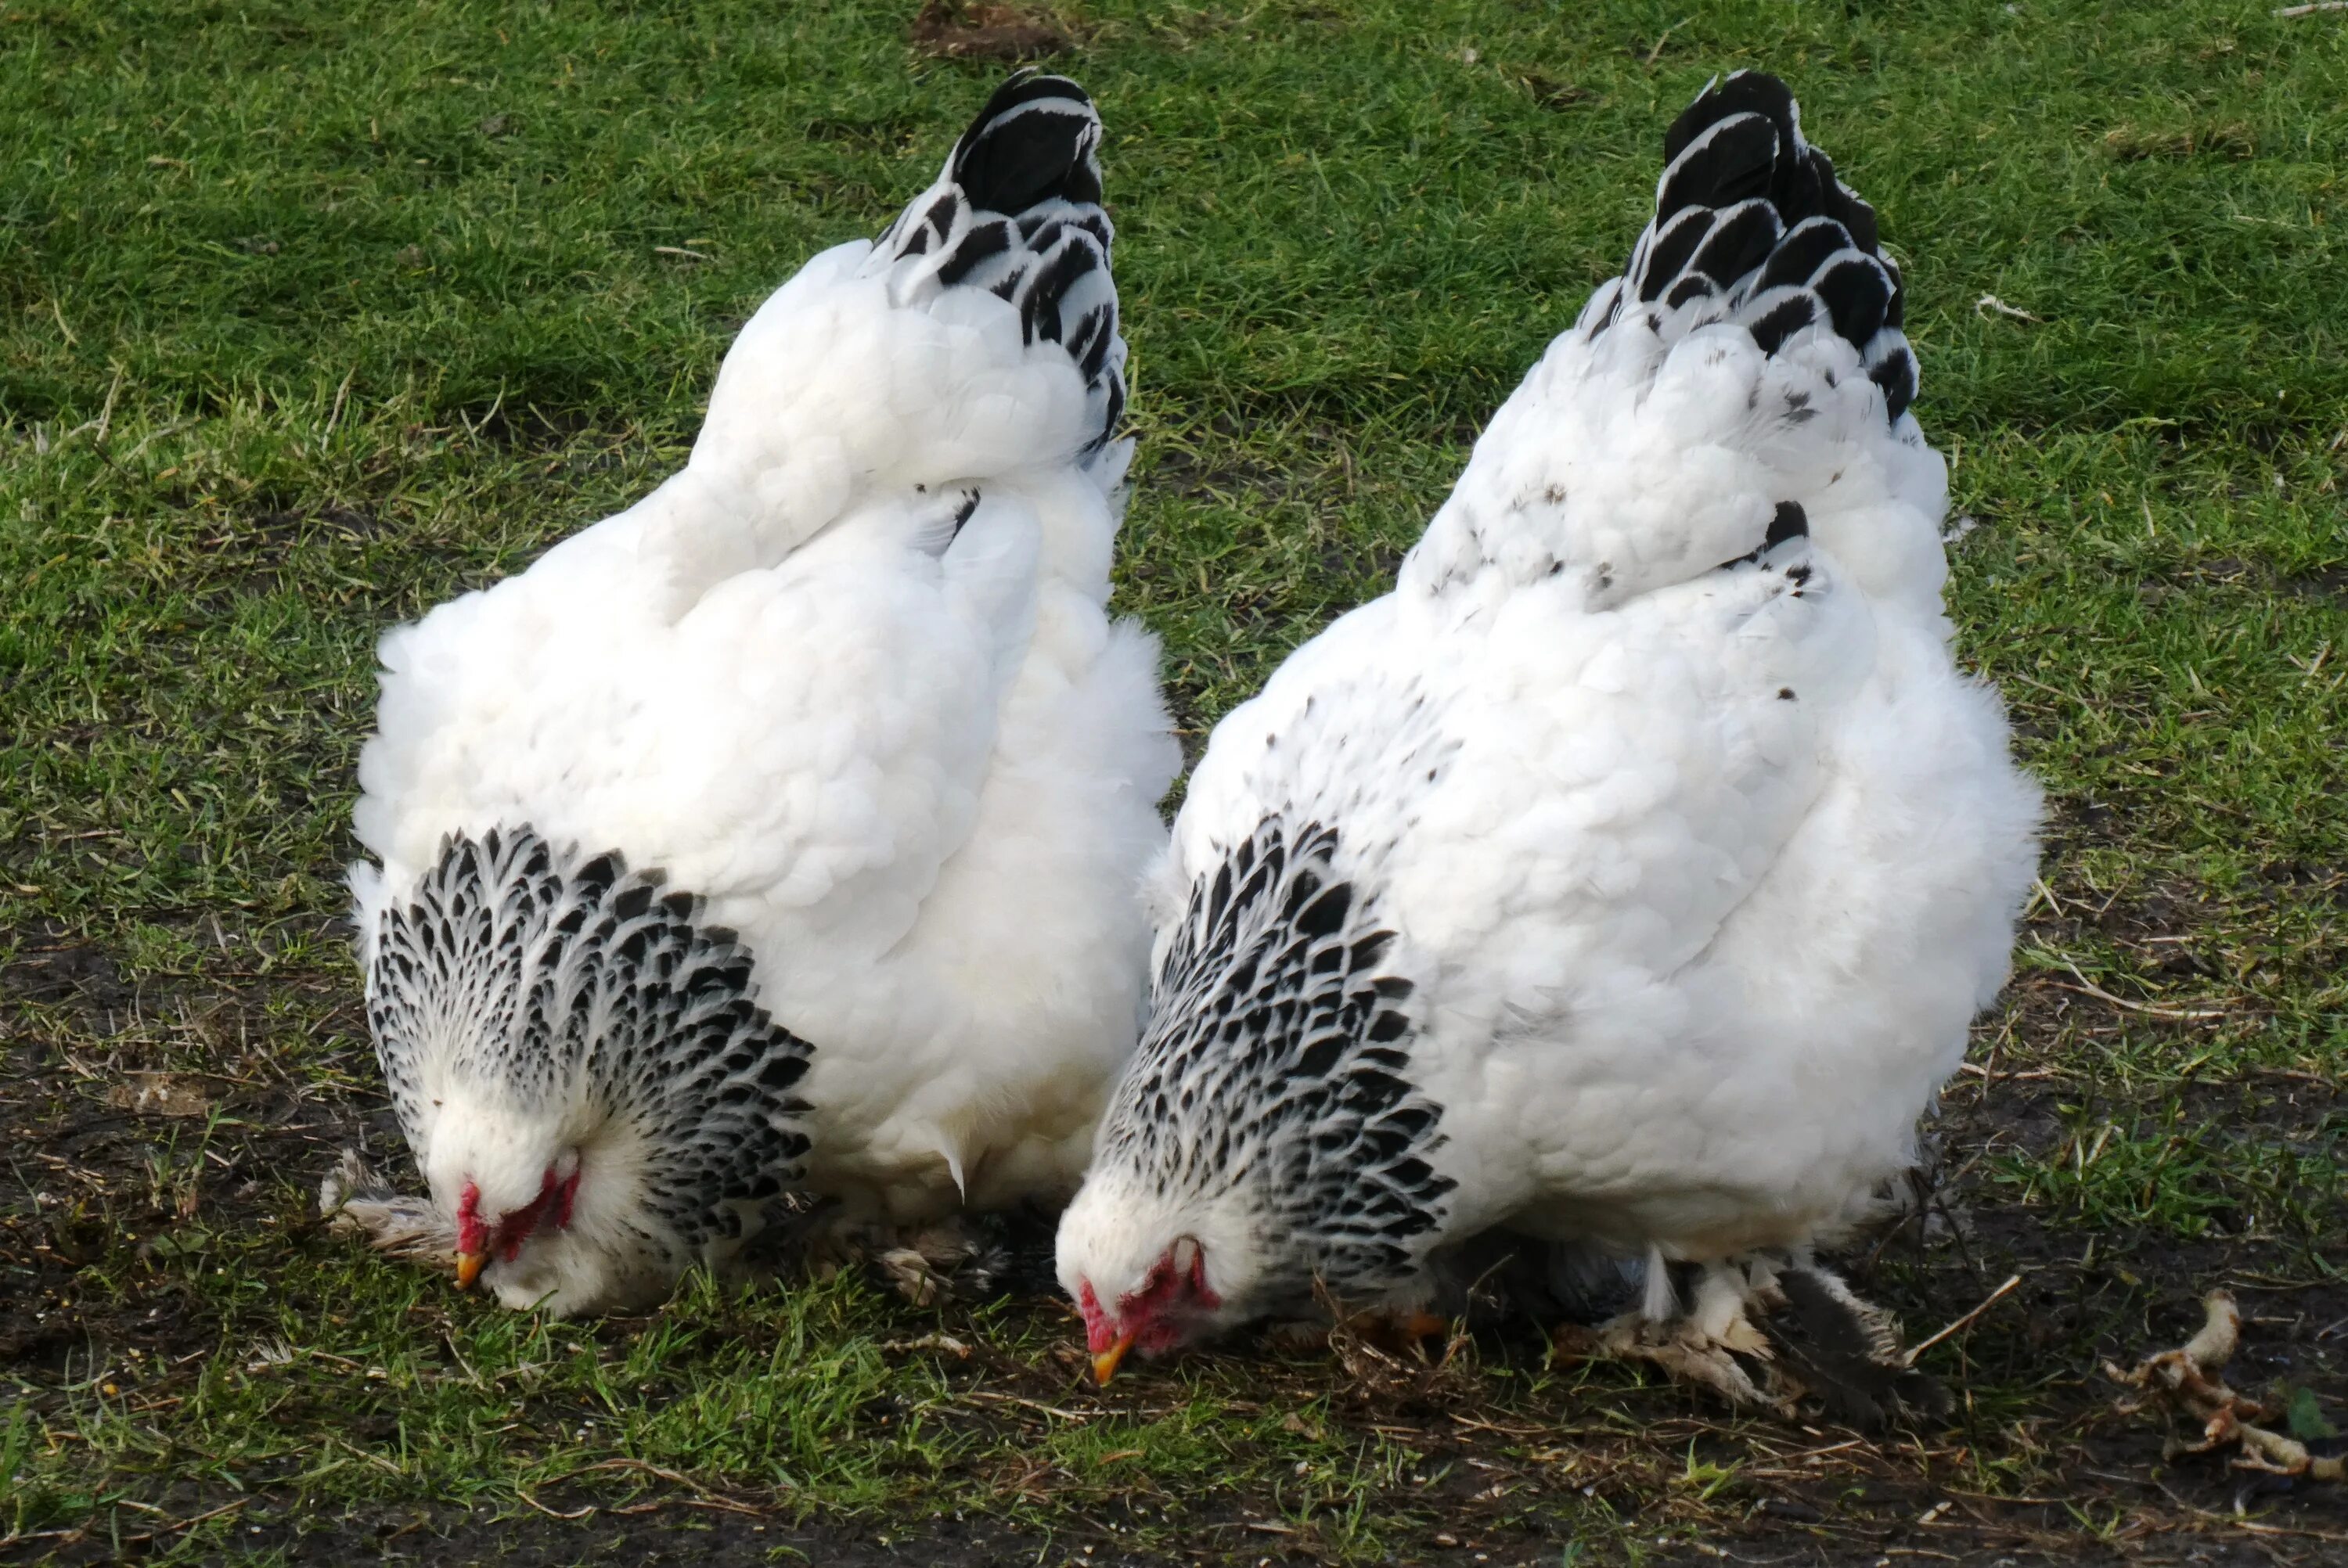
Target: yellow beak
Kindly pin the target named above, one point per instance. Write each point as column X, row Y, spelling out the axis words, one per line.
column 1105, row 1364
column 468, row 1268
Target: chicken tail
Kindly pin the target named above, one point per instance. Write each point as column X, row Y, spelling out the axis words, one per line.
column 1017, row 212
column 1745, row 383
column 1748, row 214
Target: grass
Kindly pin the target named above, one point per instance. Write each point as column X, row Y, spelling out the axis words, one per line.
column 311, row 316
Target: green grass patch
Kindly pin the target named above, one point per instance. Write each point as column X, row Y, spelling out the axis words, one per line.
column 312, row 315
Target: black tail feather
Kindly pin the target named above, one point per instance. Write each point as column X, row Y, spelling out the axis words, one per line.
column 1018, row 213
column 1034, row 142
column 1751, row 215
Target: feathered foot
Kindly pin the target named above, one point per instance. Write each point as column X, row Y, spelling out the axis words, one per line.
column 1295, row 1336
column 1713, row 1344
column 938, row 1263
column 1393, row 1332
column 355, row 1200
column 1823, row 1342
column 1845, row 1351
column 948, row 1259
column 1402, row 1335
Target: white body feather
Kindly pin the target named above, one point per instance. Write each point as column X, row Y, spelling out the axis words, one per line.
column 915, row 768
column 1691, row 955
column 1697, row 851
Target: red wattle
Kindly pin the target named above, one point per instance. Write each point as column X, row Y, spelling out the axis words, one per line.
column 472, row 1235
column 1099, row 1332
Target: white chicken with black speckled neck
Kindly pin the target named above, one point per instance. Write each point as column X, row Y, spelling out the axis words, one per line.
column 781, row 832
column 1626, row 878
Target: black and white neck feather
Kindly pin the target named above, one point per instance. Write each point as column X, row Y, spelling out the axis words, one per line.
column 539, row 1009
column 1271, row 1100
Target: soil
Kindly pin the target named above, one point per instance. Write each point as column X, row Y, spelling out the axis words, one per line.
column 85, row 1155
column 976, row 30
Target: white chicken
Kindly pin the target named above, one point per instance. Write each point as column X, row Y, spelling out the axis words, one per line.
column 781, row 834
column 1625, row 879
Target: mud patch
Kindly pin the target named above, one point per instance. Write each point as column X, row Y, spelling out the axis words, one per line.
column 985, row 30
column 1475, row 1454
column 49, row 969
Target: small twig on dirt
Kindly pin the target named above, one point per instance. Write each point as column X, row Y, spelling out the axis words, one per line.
column 215, row 1514
column 2318, row 5
column 170, row 1527
column 165, row 1513
column 144, row 442
column 473, row 429
column 702, row 1496
column 1991, row 1299
column 2039, row 885
column 2329, row 1081
column 651, row 1470
column 2054, row 691
column 550, row 1512
column 449, row 1342
column 724, row 1505
column 2035, row 1075
column 105, row 414
column 2018, row 1500
column 1656, row 53
column 2236, row 1521
column 376, row 1460
column 1989, row 303
column 1472, row 1424
column 988, row 1397
column 336, row 412
column 2088, row 988
column 1811, row 1456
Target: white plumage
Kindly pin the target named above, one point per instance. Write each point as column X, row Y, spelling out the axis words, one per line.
column 847, row 685
column 1628, row 876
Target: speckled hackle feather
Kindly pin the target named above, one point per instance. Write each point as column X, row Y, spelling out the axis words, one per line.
column 548, row 979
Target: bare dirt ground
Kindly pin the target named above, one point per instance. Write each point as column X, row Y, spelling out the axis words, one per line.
column 2038, row 1467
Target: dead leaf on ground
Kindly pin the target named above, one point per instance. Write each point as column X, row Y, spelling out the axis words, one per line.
column 160, row 1095
column 1551, row 93
column 2185, row 1383
column 980, row 30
